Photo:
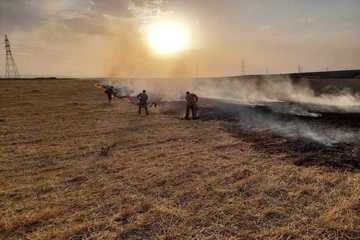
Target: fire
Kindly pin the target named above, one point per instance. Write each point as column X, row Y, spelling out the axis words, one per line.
column 98, row 85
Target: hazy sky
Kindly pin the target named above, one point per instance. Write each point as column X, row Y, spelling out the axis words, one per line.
column 105, row 37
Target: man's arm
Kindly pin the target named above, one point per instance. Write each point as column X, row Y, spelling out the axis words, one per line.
column 196, row 98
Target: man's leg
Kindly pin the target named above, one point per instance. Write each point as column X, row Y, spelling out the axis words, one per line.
column 139, row 109
column 146, row 110
column 187, row 112
column 195, row 112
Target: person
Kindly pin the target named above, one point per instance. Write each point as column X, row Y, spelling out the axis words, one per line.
column 191, row 104
column 143, row 98
column 109, row 92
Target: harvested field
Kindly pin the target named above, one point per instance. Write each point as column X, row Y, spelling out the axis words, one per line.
column 74, row 167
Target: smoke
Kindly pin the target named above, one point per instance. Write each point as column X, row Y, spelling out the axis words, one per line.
column 326, row 135
column 128, row 52
column 158, row 89
column 296, row 128
column 130, row 57
column 246, row 100
column 139, row 68
column 300, row 97
column 260, row 119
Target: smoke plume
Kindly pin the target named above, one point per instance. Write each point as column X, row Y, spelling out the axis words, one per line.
column 277, row 89
column 244, row 99
column 281, row 95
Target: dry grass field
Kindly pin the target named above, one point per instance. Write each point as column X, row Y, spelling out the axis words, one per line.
column 74, row 167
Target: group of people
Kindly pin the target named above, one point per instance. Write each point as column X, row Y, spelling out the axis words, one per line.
column 191, row 104
column 190, row 98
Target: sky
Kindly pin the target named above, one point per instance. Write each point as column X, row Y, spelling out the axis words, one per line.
column 91, row 38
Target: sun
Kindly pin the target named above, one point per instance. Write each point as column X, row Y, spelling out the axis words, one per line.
column 167, row 38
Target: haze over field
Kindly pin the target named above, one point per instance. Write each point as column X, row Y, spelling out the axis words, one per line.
column 108, row 37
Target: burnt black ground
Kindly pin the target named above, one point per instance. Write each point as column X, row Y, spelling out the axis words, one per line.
column 336, row 141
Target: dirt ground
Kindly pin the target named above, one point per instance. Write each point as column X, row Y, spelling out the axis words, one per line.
column 74, row 167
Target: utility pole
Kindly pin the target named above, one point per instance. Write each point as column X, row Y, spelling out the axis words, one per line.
column 243, row 70
column 11, row 70
column 300, row 68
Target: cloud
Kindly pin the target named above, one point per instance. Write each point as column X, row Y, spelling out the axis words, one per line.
column 309, row 20
column 87, row 24
column 80, row 15
column 81, row 36
column 146, row 11
column 116, row 8
column 226, row 32
column 17, row 14
column 265, row 28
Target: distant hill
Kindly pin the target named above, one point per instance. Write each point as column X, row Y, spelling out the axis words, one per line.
column 311, row 75
column 328, row 75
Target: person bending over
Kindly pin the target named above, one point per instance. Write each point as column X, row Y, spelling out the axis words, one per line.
column 109, row 92
column 191, row 104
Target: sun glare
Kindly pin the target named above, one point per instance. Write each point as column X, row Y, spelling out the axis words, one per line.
column 167, row 37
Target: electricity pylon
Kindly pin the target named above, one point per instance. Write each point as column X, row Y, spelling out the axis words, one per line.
column 11, row 70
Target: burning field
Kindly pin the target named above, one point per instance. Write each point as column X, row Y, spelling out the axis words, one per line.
column 74, row 167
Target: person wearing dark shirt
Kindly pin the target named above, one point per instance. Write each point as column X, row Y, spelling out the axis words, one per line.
column 109, row 92
column 191, row 104
column 143, row 98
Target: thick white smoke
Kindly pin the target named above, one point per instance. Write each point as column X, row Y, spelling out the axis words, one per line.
column 281, row 95
column 276, row 89
column 298, row 128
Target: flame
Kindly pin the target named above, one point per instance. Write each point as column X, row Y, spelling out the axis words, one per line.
column 98, row 85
